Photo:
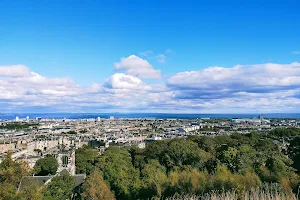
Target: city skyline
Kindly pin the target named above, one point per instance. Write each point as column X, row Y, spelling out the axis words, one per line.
column 157, row 56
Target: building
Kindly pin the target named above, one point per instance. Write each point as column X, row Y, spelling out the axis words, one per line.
column 66, row 161
column 66, row 165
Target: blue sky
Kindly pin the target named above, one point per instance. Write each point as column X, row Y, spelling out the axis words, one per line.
column 75, row 46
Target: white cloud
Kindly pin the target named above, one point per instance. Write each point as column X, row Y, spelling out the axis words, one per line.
column 127, row 82
column 263, row 77
column 22, row 89
column 14, row 71
column 243, row 88
column 137, row 66
column 18, row 81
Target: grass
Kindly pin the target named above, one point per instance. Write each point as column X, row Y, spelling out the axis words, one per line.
column 254, row 194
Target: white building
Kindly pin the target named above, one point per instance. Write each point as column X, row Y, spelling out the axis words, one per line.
column 142, row 145
column 191, row 128
column 156, row 138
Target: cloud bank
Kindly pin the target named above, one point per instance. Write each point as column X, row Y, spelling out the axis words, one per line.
column 265, row 87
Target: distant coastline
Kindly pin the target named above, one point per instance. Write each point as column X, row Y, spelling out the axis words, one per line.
column 11, row 116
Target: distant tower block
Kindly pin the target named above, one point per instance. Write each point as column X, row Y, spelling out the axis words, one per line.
column 111, row 117
column 17, row 118
column 98, row 119
column 27, row 118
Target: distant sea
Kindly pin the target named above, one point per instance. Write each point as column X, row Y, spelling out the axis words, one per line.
column 10, row 116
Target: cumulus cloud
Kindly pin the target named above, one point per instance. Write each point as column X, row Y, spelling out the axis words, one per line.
column 263, row 78
column 136, row 66
column 22, row 90
column 18, row 83
column 14, row 71
column 242, row 88
column 123, row 81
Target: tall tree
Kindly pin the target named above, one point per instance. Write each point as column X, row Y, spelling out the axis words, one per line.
column 294, row 153
column 117, row 168
column 31, row 192
column 46, row 166
column 154, row 180
column 95, row 188
column 60, row 187
column 84, row 159
column 11, row 173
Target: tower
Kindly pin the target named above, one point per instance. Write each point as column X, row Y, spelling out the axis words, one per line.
column 66, row 160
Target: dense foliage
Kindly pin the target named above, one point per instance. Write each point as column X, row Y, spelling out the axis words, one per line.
column 294, row 152
column 60, row 187
column 46, row 166
column 285, row 132
column 72, row 132
column 95, row 188
column 17, row 126
column 195, row 165
column 11, row 174
column 198, row 165
column 85, row 159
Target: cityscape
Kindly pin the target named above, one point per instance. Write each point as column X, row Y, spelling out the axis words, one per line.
column 149, row 100
column 28, row 140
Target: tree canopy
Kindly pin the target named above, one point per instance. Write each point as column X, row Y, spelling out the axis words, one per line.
column 95, row 187
column 45, row 166
column 193, row 165
column 60, row 187
column 85, row 159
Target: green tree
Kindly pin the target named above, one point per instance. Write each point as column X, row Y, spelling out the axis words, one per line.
column 60, row 187
column 11, row 173
column 137, row 157
column 187, row 181
column 84, row 159
column 205, row 143
column 154, row 179
column 177, row 153
column 294, row 153
column 31, row 192
column 117, row 168
column 7, row 191
column 46, row 166
column 230, row 158
column 95, row 188
column 72, row 132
